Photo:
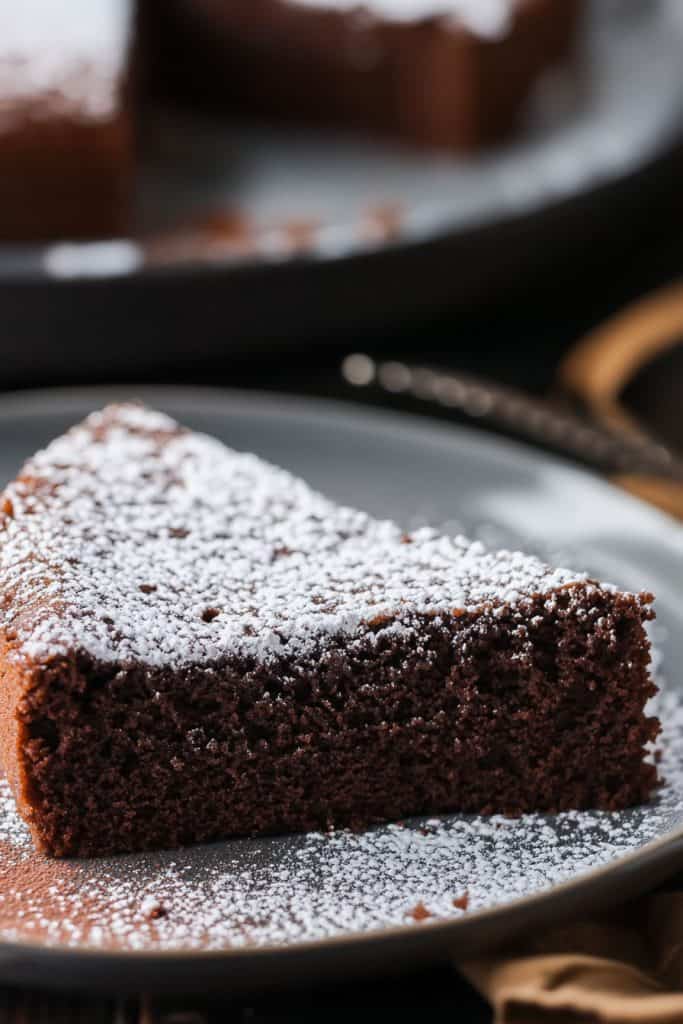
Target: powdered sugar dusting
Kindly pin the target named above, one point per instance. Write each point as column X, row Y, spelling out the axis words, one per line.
column 284, row 890
column 486, row 18
column 77, row 59
column 133, row 540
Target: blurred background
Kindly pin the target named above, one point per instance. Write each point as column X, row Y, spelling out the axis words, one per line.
column 259, row 246
column 470, row 210
column 181, row 206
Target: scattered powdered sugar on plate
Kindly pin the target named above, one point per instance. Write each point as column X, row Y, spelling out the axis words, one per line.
column 293, row 889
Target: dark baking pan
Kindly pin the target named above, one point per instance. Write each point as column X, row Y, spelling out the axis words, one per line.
column 250, row 237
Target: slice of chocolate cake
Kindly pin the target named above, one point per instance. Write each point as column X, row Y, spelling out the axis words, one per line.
column 65, row 132
column 195, row 644
column 444, row 73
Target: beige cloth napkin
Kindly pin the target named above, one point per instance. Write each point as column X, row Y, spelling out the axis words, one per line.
column 621, row 968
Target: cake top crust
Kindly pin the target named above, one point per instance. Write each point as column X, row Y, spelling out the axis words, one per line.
column 132, row 540
column 485, row 18
column 71, row 63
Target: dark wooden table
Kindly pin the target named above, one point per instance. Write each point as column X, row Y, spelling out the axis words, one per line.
column 440, row 993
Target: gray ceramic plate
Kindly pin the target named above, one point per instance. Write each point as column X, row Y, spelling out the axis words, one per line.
column 265, row 911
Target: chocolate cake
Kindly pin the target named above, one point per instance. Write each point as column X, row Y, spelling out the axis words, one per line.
column 443, row 73
column 65, row 129
column 195, row 644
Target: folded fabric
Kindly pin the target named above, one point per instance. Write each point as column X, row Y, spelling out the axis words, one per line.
column 621, row 968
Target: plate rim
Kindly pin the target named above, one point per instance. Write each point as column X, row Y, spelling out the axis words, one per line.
column 600, row 884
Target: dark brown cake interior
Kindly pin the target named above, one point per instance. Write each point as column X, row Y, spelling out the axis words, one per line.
column 127, row 759
column 65, row 176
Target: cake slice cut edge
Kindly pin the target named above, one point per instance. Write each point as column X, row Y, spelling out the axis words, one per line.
column 194, row 644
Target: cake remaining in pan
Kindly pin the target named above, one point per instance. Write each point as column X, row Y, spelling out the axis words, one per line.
column 444, row 73
column 66, row 146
